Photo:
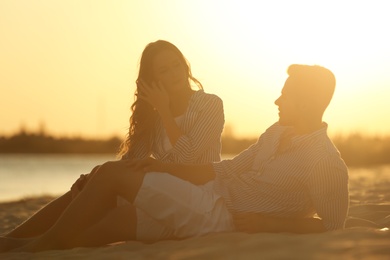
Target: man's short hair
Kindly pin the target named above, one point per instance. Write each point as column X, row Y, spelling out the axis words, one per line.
column 317, row 83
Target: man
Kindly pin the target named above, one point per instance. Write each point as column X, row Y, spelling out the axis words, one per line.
column 279, row 184
column 292, row 173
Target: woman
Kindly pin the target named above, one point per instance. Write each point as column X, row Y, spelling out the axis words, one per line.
column 170, row 121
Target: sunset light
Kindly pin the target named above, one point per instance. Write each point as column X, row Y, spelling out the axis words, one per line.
column 194, row 129
column 70, row 67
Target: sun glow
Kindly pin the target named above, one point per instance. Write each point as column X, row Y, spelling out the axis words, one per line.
column 258, row 41
column 72, row 64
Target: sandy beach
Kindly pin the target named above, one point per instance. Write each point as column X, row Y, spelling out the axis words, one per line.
column 370, row 200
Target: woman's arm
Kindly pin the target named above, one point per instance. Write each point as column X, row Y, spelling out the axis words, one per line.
column 158, row 98
column 205, row 131
column 171, row 128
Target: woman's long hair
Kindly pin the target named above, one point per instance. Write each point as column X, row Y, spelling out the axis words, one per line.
column 143, row 117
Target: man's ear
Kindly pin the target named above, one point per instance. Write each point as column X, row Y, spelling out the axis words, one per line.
column 302, row 106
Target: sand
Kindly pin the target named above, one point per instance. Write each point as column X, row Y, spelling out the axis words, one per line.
column 370, row 199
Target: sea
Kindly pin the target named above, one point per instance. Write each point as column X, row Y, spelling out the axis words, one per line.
column 31, row 175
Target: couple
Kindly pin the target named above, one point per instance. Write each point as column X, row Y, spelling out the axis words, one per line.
column 292, row 173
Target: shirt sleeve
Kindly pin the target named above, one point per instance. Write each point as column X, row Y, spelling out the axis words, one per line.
column 241, row 163
column 328, row 186
column 207, row 130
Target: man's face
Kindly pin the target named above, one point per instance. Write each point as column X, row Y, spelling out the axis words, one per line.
column 288, row 103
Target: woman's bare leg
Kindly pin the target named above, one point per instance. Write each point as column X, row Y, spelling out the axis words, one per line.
column 43, row 219
column 90, row 206
column 36, row 225
column 118, row 225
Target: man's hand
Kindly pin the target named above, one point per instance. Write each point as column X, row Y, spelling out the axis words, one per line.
column 250, row 222
column 257, row 222
column 145, row 165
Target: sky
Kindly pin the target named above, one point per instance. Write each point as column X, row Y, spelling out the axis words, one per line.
column 68, row 67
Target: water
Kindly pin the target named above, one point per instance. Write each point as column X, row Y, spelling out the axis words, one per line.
column 25, row 175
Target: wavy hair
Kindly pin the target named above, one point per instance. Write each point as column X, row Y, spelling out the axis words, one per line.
column 143, row 117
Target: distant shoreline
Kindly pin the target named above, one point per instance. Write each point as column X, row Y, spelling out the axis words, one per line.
column 356, row 149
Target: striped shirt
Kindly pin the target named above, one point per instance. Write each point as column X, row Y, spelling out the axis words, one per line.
column 307, row 178
column 202, row 126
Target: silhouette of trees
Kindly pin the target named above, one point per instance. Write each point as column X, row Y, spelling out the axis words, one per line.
column 356, row 149
column 41, row 143
column 359, row 150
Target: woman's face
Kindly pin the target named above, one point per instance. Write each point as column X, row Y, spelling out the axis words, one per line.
column 169, row 69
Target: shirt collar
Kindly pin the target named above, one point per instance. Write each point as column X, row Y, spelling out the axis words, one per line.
column 320, row 132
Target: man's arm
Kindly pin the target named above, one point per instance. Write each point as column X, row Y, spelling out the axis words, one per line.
column 256, row 222
column 197, row 174
column 328, row 190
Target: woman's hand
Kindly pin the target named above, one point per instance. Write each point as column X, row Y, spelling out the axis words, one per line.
column 154, row 94
column 80, row 183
